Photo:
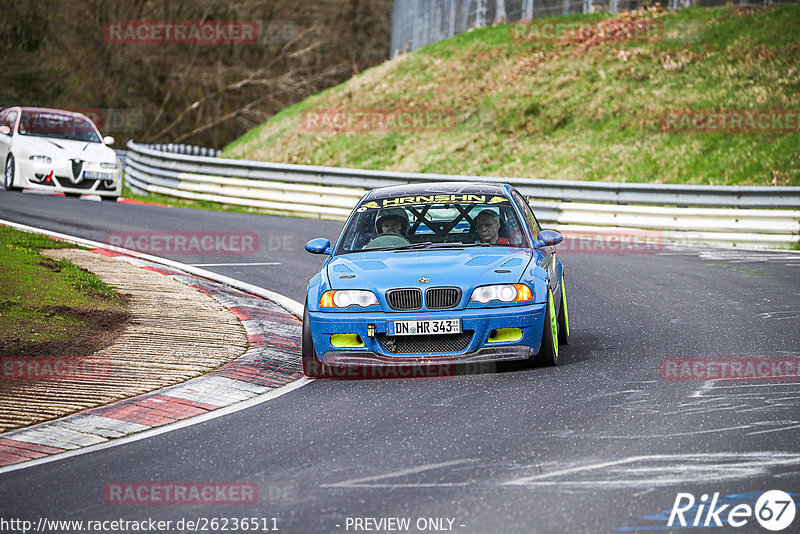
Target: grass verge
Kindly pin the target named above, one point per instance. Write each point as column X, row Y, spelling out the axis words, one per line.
column 48, row 307
column 587, row 110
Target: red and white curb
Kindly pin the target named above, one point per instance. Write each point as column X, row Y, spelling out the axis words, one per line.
column 269, row 368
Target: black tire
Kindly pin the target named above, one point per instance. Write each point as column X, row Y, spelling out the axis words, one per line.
column 9, row 174
column 109, row 199
column 312, row 367
column 548, row 351
column 563, row 316
column 72, row 195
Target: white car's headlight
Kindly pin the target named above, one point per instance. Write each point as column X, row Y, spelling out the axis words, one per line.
column 106, row 165
column 347, row 297
column 41, row 159
column 502, row 292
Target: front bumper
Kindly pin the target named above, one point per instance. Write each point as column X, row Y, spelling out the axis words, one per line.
column 480, row 322
column 57, row 177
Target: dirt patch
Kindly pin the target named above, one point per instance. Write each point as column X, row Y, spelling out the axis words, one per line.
column 97, row 329
column 48, row 263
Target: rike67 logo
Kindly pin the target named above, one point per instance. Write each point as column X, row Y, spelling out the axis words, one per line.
column 774, row 510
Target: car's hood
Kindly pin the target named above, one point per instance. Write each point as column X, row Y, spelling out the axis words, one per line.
column 64, row 148
column 465, row 268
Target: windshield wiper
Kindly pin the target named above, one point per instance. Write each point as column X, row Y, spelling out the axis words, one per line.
column 459, row 244
column 413, row 246
column 429, row 244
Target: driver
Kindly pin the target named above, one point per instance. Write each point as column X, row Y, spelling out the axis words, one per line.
column 487, row 226
column 392, row 220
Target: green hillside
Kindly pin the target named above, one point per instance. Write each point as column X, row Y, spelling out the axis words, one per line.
column 588, row 110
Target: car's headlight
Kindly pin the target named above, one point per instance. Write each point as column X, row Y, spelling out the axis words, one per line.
column 502, row 292
column 41, row 159
column 106, row 165
column 348, row 297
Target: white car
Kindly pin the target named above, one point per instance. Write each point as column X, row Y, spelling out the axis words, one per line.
column 57, row 150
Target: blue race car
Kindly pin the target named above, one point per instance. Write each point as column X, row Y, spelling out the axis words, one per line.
column 432, row 274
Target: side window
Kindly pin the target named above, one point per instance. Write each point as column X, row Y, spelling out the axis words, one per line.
column 510, row 227
column 8, row 119
column 526, row 209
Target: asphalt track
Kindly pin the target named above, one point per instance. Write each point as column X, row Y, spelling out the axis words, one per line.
column 601, row 443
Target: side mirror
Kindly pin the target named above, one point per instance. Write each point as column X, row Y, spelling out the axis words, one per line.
column 548, row 238
column 5, row 130
column 319, row 245
column 108, row 140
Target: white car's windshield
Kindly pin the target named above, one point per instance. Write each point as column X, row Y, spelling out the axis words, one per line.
column 57, row 125
column 432, row 221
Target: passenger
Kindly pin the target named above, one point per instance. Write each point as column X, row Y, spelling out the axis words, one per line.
column 392, row 220
column 487, row 226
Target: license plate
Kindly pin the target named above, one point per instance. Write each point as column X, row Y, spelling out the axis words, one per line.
column 423, row 327
column 93, row 175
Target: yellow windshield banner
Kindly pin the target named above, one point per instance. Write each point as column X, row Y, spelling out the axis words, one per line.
column 434, row 199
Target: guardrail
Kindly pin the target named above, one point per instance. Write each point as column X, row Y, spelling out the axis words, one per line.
column 721, row 215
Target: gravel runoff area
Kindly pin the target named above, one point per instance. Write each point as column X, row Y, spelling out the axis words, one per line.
column 175, row 333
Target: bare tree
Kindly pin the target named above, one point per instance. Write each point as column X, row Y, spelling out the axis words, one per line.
column 500, row 14
column 480, row 13
column 466, row 13
column 451, row 18
column 527, row 9
column 56, row 54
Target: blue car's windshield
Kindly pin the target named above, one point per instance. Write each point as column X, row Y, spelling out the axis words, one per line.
column 412, row 223
column 57, row 125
